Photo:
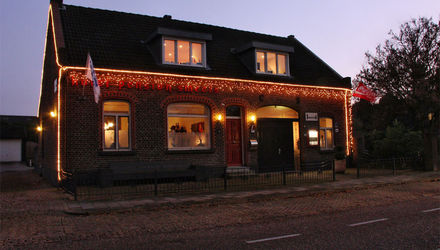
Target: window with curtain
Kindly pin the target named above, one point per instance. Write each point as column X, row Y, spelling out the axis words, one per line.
column 116, row 125
column 326, row 133
column 183, row 52
column 189, row 126
column 268, row 62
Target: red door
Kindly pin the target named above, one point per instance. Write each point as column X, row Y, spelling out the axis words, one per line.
column 233, row 142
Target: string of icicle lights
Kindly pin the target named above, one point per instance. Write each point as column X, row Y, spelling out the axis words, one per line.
column 174, row 84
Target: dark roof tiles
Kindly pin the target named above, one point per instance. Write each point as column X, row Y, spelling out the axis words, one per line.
column 119, row 40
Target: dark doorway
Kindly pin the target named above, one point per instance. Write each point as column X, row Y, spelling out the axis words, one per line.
column 275, row 139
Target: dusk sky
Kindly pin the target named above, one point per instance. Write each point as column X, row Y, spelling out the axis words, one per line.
column 338, row 31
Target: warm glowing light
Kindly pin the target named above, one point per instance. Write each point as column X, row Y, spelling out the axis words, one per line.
column 313, row 133
column 252, row 118
column 108, row 126
column 39, row 129
column 219, row 117
column 53, row 114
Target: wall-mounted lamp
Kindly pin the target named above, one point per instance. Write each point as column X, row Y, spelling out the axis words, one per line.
column 53, row 114
column 253, row 118
column 219, row 117
column 39, row 129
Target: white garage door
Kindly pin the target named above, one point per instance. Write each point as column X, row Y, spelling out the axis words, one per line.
column 10, row 150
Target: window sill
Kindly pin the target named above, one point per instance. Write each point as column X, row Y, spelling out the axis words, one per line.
column 271, row 74
column 195, row 66
column 117, row 153
column 327, row 150
column 190, row 151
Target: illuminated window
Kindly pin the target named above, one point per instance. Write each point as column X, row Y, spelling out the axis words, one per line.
column 116, row 125
column 183, row 52
column 313, row 137
column 271, row 62
column 326, row 133
column 189, row 126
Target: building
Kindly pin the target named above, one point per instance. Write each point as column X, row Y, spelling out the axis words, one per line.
column 177, row 91
column 18, row 138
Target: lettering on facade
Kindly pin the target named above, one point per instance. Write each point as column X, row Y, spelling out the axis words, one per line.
column 148, row 86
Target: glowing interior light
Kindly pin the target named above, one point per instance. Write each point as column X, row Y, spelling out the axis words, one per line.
column 53, row 114
column 219, row 117
column 39, row 129
column 313, row 133
column 253, row 118
column 109, row 125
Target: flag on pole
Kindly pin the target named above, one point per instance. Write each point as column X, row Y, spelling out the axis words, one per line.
column 90, row 73
column 365, row 93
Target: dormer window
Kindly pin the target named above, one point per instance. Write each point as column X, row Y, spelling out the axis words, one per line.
column 184, row 52
column 269, row 62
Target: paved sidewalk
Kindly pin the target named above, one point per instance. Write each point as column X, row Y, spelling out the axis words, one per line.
column 343, row 185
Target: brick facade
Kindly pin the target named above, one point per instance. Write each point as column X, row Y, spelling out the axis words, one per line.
column 73, row 140
column 82, row 134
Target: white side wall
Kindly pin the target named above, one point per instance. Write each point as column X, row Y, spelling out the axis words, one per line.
column 10, row 150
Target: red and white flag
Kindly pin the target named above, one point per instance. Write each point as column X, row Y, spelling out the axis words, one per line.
column 90, row 73
column 365, row 93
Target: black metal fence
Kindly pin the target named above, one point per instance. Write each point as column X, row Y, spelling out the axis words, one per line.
column 389, row 166
column 214, row 180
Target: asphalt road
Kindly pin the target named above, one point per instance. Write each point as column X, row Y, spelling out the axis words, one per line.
column 398, row 216
column 404, row 225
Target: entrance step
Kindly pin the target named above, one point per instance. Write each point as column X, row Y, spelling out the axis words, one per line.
column 240, row 170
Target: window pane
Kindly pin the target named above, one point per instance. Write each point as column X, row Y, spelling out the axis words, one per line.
column 123, row 133
column 325, row 123
column 196, row 57
column 188, row 126
column 322, row 138
column 282, row 64
column 260, row 62
column 329, row 138
column 168, row 47
column 109, row 132
column 116, row 107
column 233, row 111
column 271, row 63
column 188, row 132
column 188, row 109
column 183, row 52
column 313, row 137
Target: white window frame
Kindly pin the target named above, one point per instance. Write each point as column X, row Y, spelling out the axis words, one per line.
column 190, row 116
column 325, row 129
column 276, row 60
column 190, row 52
column 116, row 115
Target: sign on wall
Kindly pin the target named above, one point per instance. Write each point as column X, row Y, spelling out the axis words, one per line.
column 311, row 116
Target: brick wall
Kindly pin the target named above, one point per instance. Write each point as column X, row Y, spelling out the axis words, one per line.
column 83, row 117
column 48, row 102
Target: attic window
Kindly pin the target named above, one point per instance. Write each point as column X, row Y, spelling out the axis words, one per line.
column 269, row 62
column 183, row 52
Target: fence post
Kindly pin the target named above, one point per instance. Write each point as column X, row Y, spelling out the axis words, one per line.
column 155, row 182
column 225, row 181
column 333, row 170
column 394, row 166
column 358, row 166
column 74, row 180
column 284, row 175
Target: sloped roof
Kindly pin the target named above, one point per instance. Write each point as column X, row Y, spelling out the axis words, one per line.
column 119, row 40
